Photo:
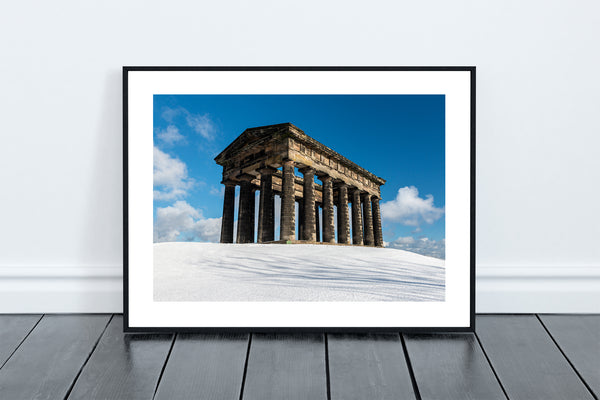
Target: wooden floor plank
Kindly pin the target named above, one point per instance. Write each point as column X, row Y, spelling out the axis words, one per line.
column 46, row 364
column 579, row 338
column 451, row 366
column 286, row 366
column 526, row 360
column 206, row 366
column 368, row 366
column 123, row 366
column 13, row 329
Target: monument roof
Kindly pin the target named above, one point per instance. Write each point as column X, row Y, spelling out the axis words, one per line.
column 257, row 135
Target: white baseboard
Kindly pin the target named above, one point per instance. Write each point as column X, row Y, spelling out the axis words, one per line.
column 92, row 289
column 49, row 289
column 538, row 289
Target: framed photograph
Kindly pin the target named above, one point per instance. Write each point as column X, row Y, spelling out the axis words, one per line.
column 299, row 198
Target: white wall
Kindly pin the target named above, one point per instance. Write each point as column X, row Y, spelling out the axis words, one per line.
column 538, row 127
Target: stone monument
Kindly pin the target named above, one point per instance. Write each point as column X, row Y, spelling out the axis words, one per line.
column 265, row 159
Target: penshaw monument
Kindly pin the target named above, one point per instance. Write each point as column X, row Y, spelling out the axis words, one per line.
column 265, row 159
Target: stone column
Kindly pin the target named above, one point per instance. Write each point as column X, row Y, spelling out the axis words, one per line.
column 328, row 226
column 368, row 219
column 251, row 226
column 228, row 212
column 309, row 223
column 317, row 224
column 301, row 219
column 288, row 206
column 266, row 206
column 245, row 210
column 342, row 213
column 357, row 225
column 377, row 231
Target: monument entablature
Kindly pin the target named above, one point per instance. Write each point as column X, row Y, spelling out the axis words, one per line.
column 266, row 158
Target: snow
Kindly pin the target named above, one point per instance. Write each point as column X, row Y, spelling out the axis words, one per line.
column 293, row 272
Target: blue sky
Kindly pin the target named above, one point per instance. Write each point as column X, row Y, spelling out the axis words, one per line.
column 397, row 137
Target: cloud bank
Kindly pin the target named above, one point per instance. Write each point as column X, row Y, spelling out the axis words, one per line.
column 182, row 222
column 170, row 135
column 410, row 209
column 171, row 179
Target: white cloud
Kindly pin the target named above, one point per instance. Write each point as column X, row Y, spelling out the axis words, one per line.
column 181, row 221
column 208, row 230
column 171, row 221
column 170, row 135
column 424, row 246
column 169, row 114
column 170, row 176
column 200, row 123
column 410, row 209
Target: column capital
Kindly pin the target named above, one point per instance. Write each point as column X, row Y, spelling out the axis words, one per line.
column 322, row 176
column 306, row 170
column 229, row 182
column 340, row 184
column 246, row 177
column 287, row 161
column 267, row 170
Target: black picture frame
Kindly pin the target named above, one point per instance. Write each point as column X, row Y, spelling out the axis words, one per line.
column 126, row 180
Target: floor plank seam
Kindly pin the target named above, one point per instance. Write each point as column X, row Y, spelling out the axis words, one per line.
column 327, row 374
column 162, row 371
column 567, row 358
column 491, row 366
column 21, row 342
column 246, row 366
column 88, row 358
column 411, row 372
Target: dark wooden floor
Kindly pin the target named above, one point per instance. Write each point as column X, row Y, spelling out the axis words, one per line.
column 510, row 356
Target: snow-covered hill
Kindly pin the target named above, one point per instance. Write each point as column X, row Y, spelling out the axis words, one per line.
column 298, row 272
